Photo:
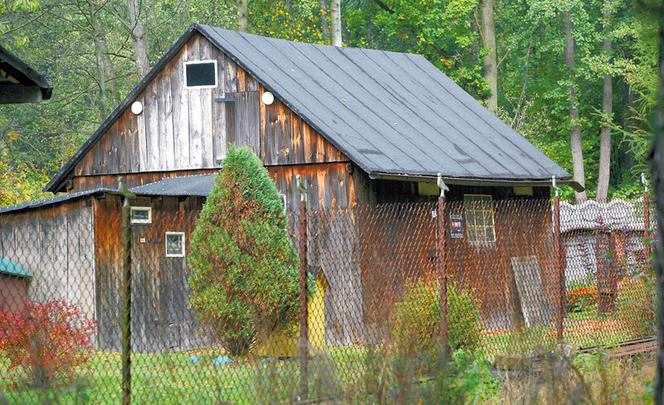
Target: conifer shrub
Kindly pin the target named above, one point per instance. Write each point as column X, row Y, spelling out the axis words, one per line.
column 244, row 269
column 415, row 323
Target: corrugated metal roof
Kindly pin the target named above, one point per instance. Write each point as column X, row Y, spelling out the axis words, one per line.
column 391, row 113
column 13, row 269
column 183, row 186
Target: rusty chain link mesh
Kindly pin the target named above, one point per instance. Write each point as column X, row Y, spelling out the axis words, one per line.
column 514, row 285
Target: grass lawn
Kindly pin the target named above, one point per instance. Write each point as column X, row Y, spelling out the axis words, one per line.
column 175, row 378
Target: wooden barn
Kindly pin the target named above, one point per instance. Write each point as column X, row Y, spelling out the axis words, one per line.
column 362, row 127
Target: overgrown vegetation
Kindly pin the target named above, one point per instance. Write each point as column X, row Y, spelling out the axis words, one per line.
column 46, row 341
column 244, row 268
column 415, row 323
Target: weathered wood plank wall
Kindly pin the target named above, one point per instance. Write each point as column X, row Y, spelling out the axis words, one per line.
column 161, row 319
column 55, row 245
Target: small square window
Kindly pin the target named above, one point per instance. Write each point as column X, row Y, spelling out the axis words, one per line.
column 480, row 225
column 141, row 215
column 174, row 244
column 200, row 74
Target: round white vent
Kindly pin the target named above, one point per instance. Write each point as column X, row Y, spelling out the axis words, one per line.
column 267, row 98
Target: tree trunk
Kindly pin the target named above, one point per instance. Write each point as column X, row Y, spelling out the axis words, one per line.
column 575, row 131
column 607, row 110
column 242, row 15
column 109, row 95
column 325, row 21
column 336, row 23
column 140, row 41
column 657, row 167
column 490, row 59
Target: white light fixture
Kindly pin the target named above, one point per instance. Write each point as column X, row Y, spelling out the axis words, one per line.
column 267, row 98
column 137, row 107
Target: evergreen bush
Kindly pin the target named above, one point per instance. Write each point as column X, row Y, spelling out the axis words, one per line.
column 244, row 268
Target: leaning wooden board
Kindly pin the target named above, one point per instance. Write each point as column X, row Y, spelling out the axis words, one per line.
column 535, row 307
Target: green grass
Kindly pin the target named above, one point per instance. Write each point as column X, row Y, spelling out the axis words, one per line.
column 173, row 378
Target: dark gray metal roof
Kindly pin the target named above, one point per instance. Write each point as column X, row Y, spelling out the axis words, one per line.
column 183, row 186
column 58, row 199
column 23, row 73
column 391, row 113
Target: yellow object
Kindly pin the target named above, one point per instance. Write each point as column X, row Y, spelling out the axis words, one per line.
column 286, row 342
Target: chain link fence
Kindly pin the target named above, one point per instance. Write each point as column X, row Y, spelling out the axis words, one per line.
column 386, row 288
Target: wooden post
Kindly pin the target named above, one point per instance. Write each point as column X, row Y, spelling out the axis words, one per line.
column 304, row 305
column 647, row 249
column 440, row 262
column 559, row 266
column 126, row 292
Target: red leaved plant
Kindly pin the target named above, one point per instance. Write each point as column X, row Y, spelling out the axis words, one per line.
column 48, row 340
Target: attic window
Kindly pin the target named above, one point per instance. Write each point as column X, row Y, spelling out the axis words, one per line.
column 201, row 74
column 174, row 244
column 141, row 215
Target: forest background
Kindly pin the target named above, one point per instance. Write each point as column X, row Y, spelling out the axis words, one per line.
column 577, row 78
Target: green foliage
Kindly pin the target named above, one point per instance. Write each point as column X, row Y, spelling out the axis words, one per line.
column 244, row 268
column 415, row 323
column 635, row 307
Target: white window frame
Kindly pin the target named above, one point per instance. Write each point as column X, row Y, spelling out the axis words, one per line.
column 491, row 212
column 141, row 221
column 184, row 250
column 198, row 62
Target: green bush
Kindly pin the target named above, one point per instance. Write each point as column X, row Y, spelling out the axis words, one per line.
column 635, row 307
column 244, row 268
column 415, row 323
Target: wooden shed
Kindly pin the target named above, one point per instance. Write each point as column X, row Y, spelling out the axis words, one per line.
column 362, row 127
column 14, row 280
column 19, row 82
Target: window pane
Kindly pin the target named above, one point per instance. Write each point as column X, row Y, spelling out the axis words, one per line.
column 201, row 74
column 174, row 244
column 140, row 214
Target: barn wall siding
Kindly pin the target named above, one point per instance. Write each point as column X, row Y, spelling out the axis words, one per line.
column 55, row 245
column 161, row 319
column 185, row 130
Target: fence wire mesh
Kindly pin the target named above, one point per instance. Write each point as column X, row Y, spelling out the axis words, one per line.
column 512, row 282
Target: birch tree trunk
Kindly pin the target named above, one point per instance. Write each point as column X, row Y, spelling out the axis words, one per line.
column 325, row 18
column 140, row 41
column 607, row 110
column 242, row 15
column 575, row 131
column 336, row 23
column 657, row 167
column 488, row 32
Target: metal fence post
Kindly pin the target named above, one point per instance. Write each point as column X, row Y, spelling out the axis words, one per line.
column 646, row 219
column 304, row 310
column 441, row 254
column 560, row 268
column 126, row 292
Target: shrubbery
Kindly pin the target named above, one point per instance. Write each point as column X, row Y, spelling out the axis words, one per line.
column 415, row 323
column 635, row 307
column 48, row 340
column 582, row 298
column 244, row 268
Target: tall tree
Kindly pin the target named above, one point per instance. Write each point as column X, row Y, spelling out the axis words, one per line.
column 607, row 111
column 488, row 35
column 108, row 89
column 140, row 40
column 242, row 15
column 657, row 166
column 575, row 130
column 336, row 22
